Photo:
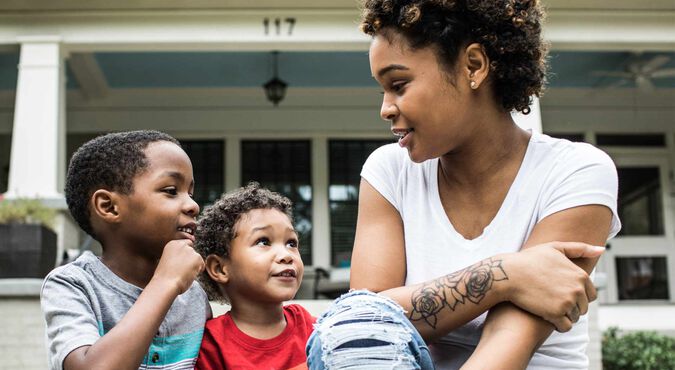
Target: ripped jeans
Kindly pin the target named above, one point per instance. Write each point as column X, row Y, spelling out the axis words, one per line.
column 364, row 330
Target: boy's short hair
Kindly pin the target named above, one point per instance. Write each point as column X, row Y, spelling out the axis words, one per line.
column 216, row 226
column 106, row 162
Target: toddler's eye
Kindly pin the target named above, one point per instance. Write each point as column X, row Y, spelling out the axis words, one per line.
column 171, row 190
column 293, row 243
column 262, row 241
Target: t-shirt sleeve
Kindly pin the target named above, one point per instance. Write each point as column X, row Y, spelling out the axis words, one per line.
column 71, row 322
column 382, row 169
column 584, row 176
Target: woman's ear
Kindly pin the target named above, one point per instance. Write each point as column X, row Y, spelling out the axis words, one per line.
column 477, row 65
column 217, row 268
column 105, row 205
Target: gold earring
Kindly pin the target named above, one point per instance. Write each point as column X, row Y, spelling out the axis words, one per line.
column 472, row 84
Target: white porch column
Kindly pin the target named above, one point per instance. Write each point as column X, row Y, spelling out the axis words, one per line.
column 530, row 121
column 320, row 207
column 37, row 163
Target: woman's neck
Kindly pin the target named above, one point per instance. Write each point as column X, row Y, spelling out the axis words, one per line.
column 493, row 147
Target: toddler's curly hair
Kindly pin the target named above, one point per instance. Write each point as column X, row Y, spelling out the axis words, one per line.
column 217, row 225
column 508, row 30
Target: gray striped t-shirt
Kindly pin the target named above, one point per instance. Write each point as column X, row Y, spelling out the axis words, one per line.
column 83, row 300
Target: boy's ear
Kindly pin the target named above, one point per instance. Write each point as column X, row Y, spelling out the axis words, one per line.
column 105, row 205
column 217, row 268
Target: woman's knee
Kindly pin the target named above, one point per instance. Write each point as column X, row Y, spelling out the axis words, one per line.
column 363, row 328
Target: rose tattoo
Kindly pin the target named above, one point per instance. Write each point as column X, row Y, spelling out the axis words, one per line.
column 471, row 283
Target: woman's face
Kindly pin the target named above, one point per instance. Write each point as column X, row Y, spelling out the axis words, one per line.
column 427, row 112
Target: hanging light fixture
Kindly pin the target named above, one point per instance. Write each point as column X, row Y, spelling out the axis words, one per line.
column 275, row 89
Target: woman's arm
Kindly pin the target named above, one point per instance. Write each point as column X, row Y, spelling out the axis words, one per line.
column 436, row 307
column 511, row 335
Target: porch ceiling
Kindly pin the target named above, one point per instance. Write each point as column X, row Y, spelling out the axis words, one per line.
column 50, row 5
column 569, row 69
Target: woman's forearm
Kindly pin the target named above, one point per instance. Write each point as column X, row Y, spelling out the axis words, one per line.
column 441, row 305
column 541, row 280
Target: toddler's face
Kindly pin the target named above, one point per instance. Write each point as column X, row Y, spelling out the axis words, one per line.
column 264, row 262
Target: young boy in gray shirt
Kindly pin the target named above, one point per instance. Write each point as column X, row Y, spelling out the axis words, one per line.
column 138, row 305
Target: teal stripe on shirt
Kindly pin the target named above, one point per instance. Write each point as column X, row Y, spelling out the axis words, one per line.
column 176, row 348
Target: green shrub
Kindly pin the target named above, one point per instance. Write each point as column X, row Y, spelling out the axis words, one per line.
column 26, row 211
column 641, row 350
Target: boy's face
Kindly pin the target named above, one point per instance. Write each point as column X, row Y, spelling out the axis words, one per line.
column 264, row 263
column 160, row 207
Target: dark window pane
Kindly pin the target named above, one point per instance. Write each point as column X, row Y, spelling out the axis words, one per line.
column 653, row 140
column 346, row 159
column 640, row 206
column 207, row 165
column 574, row 137
column 284, row 167
column 5, row 148
column 642, row 278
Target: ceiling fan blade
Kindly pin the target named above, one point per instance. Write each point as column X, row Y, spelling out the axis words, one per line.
column 666, row 72
column 643, row 83
column 655, row 63
column 616, row 84
column 611, row 74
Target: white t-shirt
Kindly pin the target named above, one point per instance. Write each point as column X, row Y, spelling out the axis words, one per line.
column 555, row 175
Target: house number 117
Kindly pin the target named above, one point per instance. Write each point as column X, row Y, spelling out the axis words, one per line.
column 277, row 24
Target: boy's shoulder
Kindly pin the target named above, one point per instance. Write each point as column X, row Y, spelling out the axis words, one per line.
column 88, row 275
column 76, row 272
column 301, row 317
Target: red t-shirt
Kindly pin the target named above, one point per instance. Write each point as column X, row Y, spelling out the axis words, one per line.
column 224, row 346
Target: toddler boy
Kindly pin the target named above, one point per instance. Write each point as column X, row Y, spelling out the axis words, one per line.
column 253, row 262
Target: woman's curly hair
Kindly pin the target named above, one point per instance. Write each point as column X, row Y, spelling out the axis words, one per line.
column 217, row 225
column 508, row 30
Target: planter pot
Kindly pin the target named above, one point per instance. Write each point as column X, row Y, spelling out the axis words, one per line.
column 26, row 251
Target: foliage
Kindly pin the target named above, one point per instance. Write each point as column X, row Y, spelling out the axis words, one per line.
column 26, row 211
column 640, row 350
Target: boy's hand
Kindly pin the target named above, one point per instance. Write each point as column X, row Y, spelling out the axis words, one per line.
column 180, row 264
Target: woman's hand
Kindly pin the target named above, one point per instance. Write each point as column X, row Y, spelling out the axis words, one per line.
column 546, row 283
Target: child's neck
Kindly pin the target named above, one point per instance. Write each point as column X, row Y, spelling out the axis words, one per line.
column 132, row 268
column 260, row 321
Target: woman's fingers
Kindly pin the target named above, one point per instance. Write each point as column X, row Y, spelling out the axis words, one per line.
column 591, row 291
column 562, row 324
column 578, row 250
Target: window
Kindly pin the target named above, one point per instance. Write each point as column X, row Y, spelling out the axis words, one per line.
column 640, row 206
column 5, row 147
column 638, row 140
column 574, row 137
column 207, row 165
column 642, row 278
column 284, row 167
column 346, row 159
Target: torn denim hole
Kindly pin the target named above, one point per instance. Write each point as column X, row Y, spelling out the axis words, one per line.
column 363, row 332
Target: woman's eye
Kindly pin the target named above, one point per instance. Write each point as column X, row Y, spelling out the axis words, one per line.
column 397, row 86
column 262, row 241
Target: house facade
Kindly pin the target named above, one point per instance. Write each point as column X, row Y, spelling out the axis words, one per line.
column 70, row 71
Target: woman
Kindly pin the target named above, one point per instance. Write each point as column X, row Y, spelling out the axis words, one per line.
column 467, row 187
